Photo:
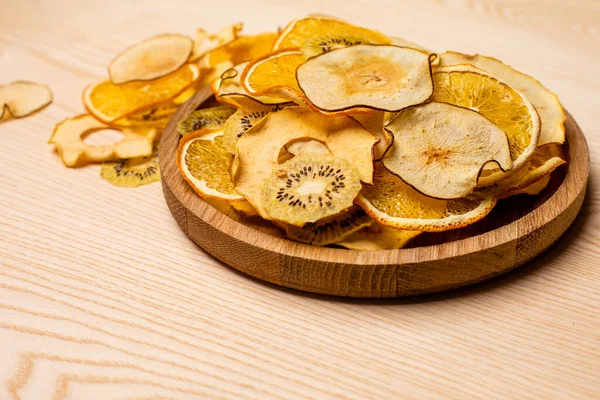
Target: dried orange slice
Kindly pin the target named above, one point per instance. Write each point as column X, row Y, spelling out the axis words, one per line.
column 151, row 58
column 242, row 49
column 317, row 35
column 552, row 114
column 441, row 149
column 205, row 43
column 378, row 237
column 381, row 77
column 393, row 203
column 23, row 98
column 109, row 102
column 68, row 137
column 158, row 116
column 204, row 163
column 470, row 87
column 274, row 74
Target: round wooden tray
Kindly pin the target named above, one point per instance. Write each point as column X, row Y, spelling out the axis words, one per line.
column 518, row 229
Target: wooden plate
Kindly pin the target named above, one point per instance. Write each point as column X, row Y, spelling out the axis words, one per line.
column 518, row 229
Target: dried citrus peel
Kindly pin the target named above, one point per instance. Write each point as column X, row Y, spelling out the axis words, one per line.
column 23, row 98
column 68, row 137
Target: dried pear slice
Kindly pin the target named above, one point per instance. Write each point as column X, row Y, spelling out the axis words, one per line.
column 109, row 102
column 373, row 122
column 392, row 202
column 330, row 230
column 204, row 163
column 206, row 118
column 470, row 87
column 378, row 237
column 441, row 149
column 132, row 172
column 317, row 35
column 310, row 187
column 552, row 114
column 397, row 41
column 68, row 137
column 240, row 50
column 544, row 161
column 206, row 43
column 151, row 58
column 381, row 77
column 303, row 146
column 258, row 150
column 23, row 98
column 242, row 120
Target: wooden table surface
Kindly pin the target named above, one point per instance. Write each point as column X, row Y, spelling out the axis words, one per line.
column 102, row 296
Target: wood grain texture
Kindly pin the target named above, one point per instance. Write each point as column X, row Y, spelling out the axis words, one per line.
column 102, row 296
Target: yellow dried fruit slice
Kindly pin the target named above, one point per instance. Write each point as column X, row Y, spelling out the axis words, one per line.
column 68, row 137
column 440, row 149
column 204, row 163
column 274, row 74
column 244, row 207
column 157, row 116
column 552, row 114
column 397, row 41
column 470, row 87
column 310, row 187
column 151, row 58
column 330, row 230
column 392, row 202
column 382, row 77
column 373, row 122
column 132, row 172
column 303, row 146
column 23, row 98
column 317, row 35
column 185, row 96
column 258, row 150
column 205, row 43
column 378, row 237
column 241, row 121
column 533, row 189
column 109, row 102
column 240, row 50
column 207, row 118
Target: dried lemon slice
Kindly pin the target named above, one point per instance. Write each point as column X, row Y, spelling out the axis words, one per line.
column 151, row 58
column 240, row 50
column 392, row 202
column 132, row 172
column 68, row 137
column 382, row 77
column 204, row 163
column 23, row 98
column 441, row 149
column 109, row 102
column 258, row 150
column 378, row 237
column 546, row 103
column 470, row 87
column 206, row 43
column 317, row 35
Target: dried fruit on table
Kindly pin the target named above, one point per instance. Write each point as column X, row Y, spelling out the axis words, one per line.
column 151, row 58
column 68, row 137
column 206, row 118
column 274, row 75
column 241, row 121
column 132, row 172
column 378, row 237
column 23, row 98
column 109, row 102
column 205, row 43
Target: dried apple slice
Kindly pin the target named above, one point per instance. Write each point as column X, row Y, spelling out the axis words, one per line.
column 258, row 150
column 552, row 114
column 470, row 87
column 240, row 50
column 303, row 146
column 109, row 102
column 378, row 237
column 241, row 121
column 204, row 163
column 206, row 43
column 23, row 98
column 151, row 58
column 441, row 149
column 393, row 203
column 68, row 137
column 373, row 122
column 382, row 77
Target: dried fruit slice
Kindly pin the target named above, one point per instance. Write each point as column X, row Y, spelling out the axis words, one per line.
column 258, row 150
column 274, row 74
column 242, row 120
column 378, row 237
column 373, row 122
column 242, row 49
column 330, row 230
column 317, row 35
column 393, row 203
column 68, row 137
column 157, row 116
column 546, row 103
column 206, row 118
column 184, row 96
column 109, row 102
column 441, row 149
column 397, row 41
column 204, row 163
column 470, row 87
column 381, row 77
column 545, row 160
column 533, row 189
column 24, row 98
column 151, row 58
column 132, row 172
column 303, row 146
column 309, row 188
column 206, row 43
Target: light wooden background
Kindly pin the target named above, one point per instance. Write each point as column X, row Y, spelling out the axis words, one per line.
column 103, row 297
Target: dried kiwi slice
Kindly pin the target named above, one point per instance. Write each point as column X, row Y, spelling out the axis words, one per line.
column 310, row 187
column 133, row 172
column 207, row 118
column 330, row 230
